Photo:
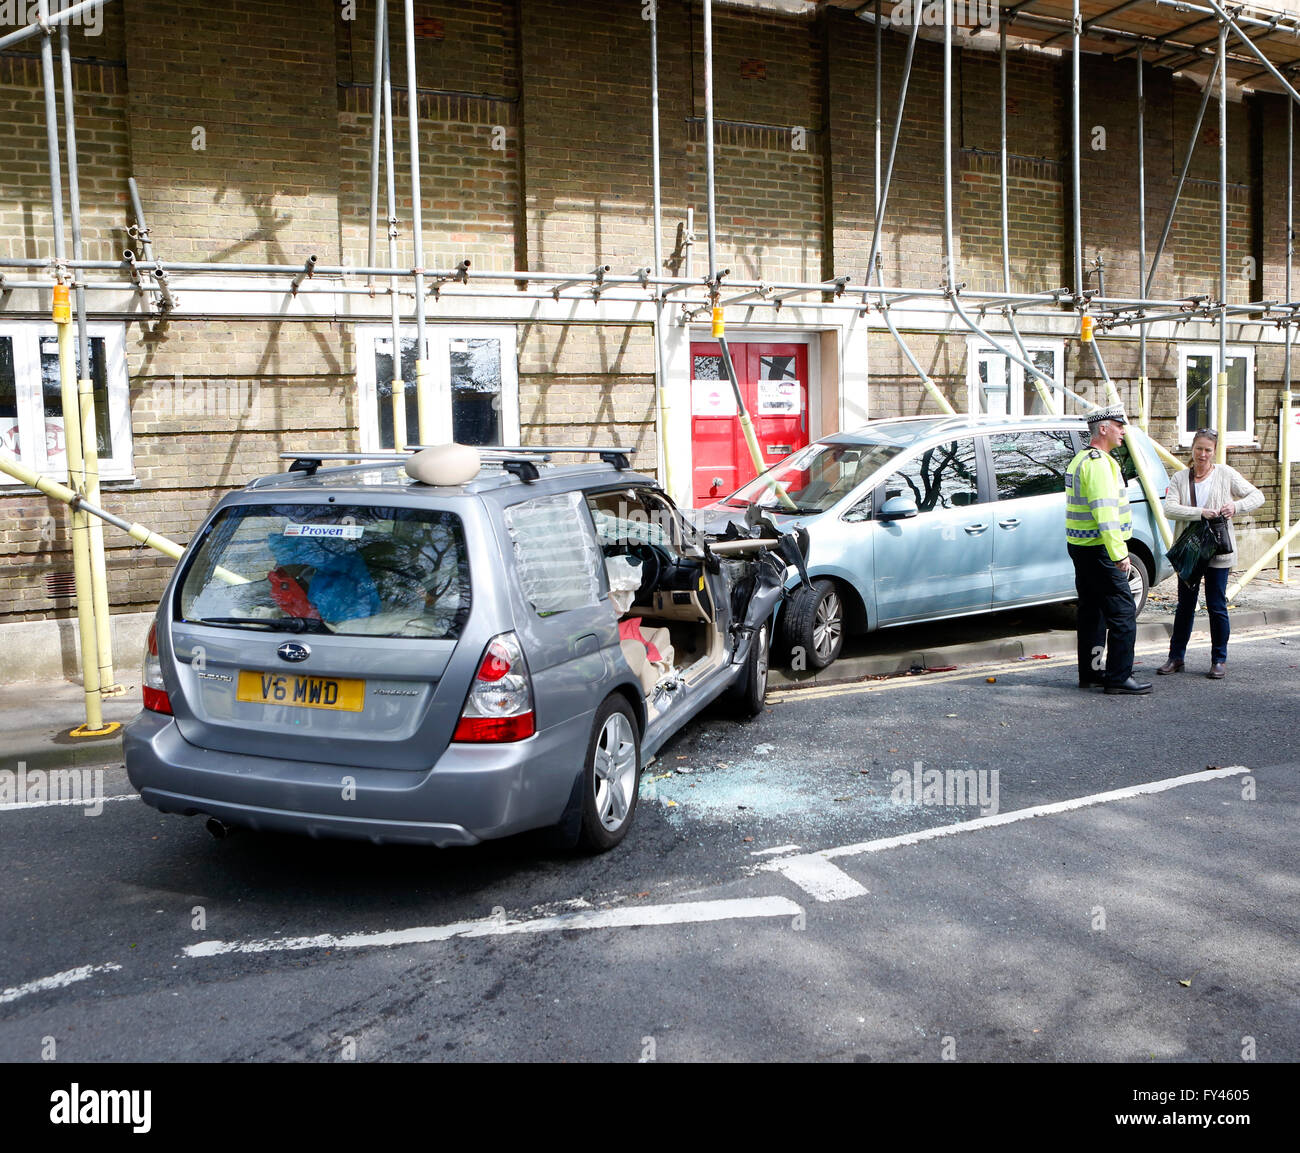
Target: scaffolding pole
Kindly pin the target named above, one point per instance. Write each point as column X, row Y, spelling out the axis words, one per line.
column 427, row 407
column 1144, row 383
column 661, row 355
column 1182, row 178
column 1009, row 313
column 108, row 685
column 1284, row 421
column 1221, row 382
column 398, row 385
column 80, row 529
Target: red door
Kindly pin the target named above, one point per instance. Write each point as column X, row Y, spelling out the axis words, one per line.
column 774, row 384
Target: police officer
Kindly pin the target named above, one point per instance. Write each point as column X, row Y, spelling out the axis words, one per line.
column 1098, row 522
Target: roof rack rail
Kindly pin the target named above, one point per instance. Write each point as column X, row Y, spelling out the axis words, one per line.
column 309, row 462
column 612, row 454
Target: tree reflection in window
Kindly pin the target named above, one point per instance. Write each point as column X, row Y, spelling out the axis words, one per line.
column 941, row 477
column 1031, row 463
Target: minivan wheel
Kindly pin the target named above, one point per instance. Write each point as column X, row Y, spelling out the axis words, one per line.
column 1139, row 582
column 611, row 777
column 814, row 623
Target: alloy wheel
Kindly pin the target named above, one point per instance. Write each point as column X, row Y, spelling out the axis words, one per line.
column 615, row 771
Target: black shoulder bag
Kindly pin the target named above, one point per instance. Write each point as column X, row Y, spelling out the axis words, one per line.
column 1199, row 543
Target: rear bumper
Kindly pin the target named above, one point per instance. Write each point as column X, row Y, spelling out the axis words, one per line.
column 473, row 792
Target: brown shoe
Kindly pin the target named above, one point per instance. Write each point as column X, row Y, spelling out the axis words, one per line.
column 1217, row 671
column 1170, row 666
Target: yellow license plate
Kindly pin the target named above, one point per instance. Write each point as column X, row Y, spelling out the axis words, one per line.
column 304, row 692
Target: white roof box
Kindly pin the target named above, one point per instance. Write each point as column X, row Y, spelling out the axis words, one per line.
column 444, row 464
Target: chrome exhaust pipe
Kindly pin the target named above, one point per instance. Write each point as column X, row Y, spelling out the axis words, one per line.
column 219, row 829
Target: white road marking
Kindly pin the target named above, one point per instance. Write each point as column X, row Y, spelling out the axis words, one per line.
column 818, row 877
column 83, row 803
column 778, row 849
column 689, row 912
column 57, row 981
column 815, row 888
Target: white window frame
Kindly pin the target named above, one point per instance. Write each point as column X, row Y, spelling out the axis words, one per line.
column 26, row 339
column 438, row 340
column 977, row 346
column 1244, row 436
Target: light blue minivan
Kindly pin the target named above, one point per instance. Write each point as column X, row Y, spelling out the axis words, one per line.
column 921, row 518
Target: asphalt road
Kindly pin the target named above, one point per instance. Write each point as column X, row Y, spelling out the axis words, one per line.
column 782, row 896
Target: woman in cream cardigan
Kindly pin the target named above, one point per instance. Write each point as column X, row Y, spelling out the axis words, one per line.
column 1220, row 491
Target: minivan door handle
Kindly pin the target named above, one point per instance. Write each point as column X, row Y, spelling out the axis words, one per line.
column 976, row 529
column 1011, row 522
column 586, row 645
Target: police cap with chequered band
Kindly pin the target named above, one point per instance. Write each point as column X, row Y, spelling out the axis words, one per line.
column 1113, row 412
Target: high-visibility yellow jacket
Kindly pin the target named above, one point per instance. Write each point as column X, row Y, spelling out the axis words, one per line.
column 1096, row 503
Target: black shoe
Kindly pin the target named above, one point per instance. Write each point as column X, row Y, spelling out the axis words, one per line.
column 1130, row 687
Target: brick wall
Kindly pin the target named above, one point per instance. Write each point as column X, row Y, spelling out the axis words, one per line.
column 589, row 384
column 467, row 73
column 234, row 133
column 26, row 221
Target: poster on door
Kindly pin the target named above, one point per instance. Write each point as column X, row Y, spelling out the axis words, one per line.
column 1295, row 432
column 712, row 398
column 780, row 397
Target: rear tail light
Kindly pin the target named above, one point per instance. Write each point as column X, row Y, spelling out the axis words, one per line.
column 500, row 702
column 151, row 681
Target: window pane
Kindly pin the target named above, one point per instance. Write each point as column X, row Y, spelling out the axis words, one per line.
column 8, row 398
column 476, row 391
column 1031, row 463
column 52, row 394
column 1045, row 362
column 361, row 570
column 941, row 477
column 1200, row 380
column 708, row 368
column 1236, row 394
column 994, row 385
column 384, row 390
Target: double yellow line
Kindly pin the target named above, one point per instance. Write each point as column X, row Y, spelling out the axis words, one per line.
column 972, row 672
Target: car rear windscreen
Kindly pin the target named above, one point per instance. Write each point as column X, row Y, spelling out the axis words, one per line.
column 357, row 570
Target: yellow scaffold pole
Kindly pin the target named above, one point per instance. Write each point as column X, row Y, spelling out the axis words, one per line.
column 80, row 532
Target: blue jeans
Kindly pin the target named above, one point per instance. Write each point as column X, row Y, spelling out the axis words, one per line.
column 1216, row 604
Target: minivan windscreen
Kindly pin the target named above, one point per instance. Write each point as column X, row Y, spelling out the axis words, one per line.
column 356, row 570
column 814, row 478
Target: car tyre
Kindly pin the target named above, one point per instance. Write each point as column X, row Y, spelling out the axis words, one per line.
column 748, row 695
column 611, row 777
column 814, row 623
column 1139, row 582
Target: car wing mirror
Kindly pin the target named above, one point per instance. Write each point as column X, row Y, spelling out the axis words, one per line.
column 898, row 508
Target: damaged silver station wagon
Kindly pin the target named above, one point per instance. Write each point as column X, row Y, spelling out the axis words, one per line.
column 445, row 648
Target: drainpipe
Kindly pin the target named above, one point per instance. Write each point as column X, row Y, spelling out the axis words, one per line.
column 428, row 411
column 80, row 529
column 85, row 387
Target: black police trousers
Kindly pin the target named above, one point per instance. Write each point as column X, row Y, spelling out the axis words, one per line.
column 1107, row 616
